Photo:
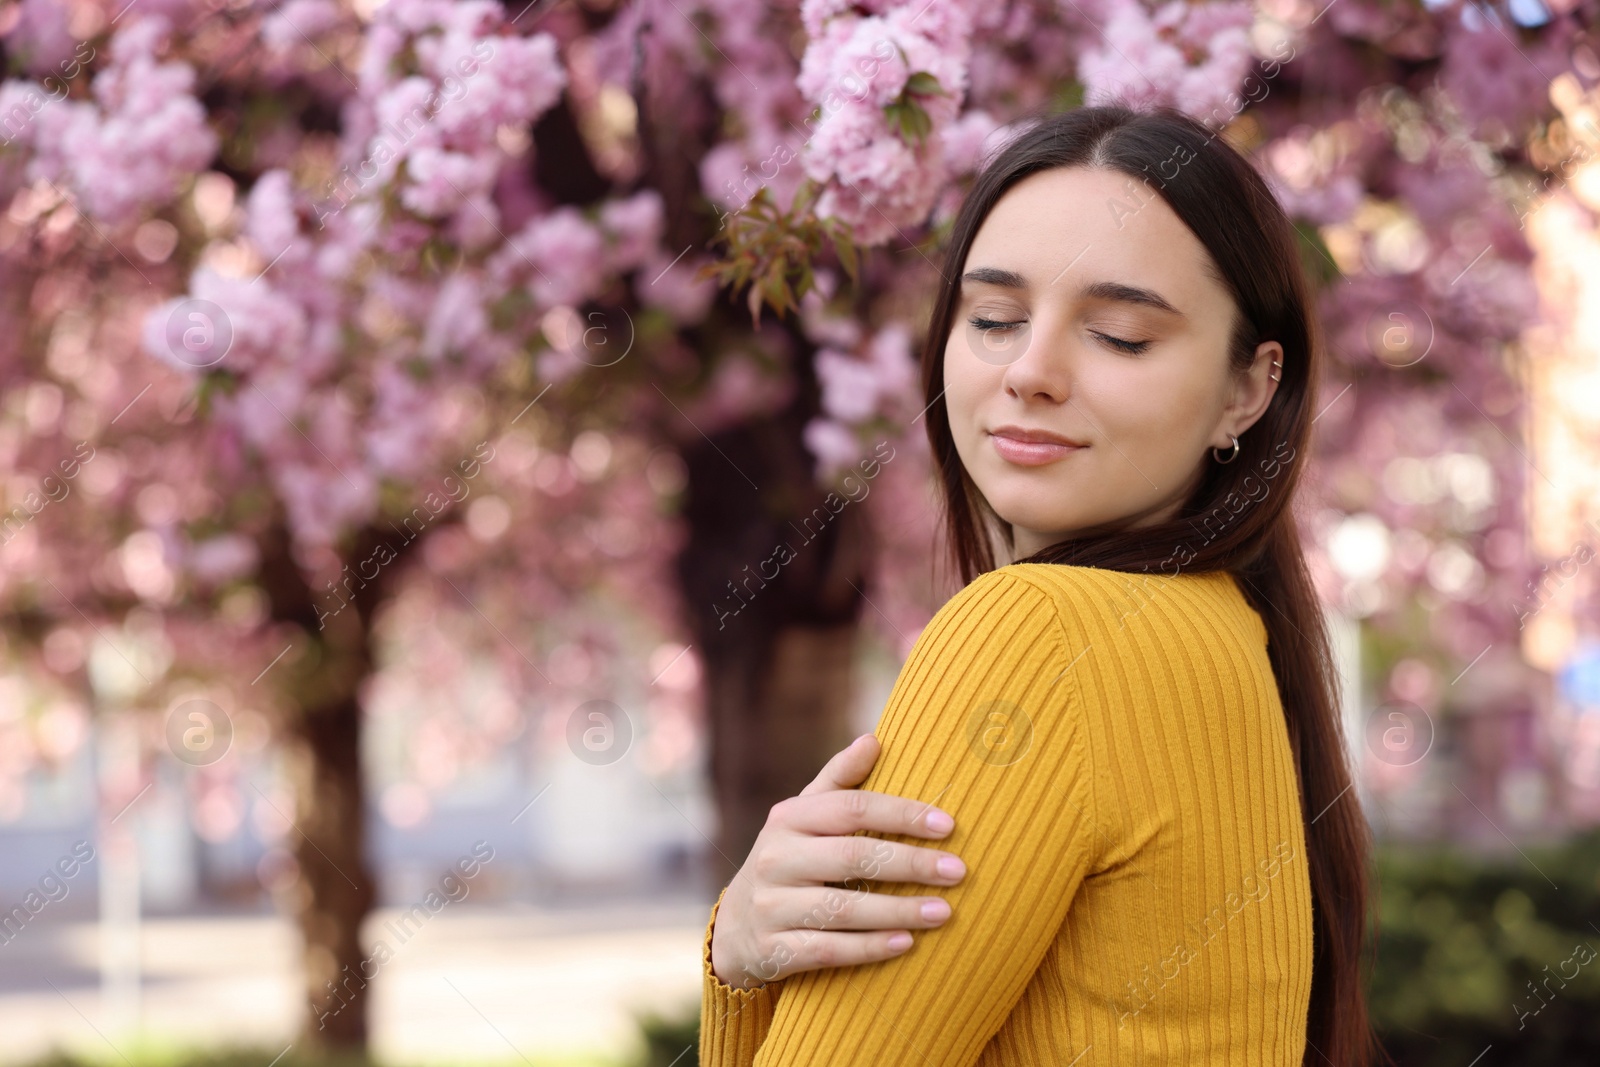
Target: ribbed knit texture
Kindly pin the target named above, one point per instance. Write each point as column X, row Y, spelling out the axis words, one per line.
column 1114, row 753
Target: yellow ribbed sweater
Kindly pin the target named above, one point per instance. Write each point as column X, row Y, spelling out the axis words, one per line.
column 1114, row 753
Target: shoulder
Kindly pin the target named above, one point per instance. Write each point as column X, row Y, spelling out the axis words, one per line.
column 1038, row 596
column 1091, row 602
column 1001, row 611
column 1075, row 598
column 998, row 631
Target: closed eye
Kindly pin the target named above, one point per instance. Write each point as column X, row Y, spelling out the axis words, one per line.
column 1132, row 347
column 978, row 322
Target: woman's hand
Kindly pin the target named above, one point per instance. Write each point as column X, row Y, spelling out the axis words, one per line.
column 781, row 914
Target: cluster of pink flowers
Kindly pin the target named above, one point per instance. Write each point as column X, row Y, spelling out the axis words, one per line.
column 869, row 384
column 563, row 256
column 1192, row 56
column 863, row 69
column 298, row 21
column 439, row 119
column 133, row 144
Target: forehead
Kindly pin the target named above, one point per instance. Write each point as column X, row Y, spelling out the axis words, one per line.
column 1073, row 224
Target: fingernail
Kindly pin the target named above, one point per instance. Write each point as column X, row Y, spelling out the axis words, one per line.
column 950, row 867
column 899, row 942
column 939, row 822
column 934, row 910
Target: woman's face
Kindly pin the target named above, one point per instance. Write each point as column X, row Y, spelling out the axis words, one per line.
column 1086, row 316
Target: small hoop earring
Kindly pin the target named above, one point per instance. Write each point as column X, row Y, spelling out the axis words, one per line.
column 1279, row 368
column 1231, row 455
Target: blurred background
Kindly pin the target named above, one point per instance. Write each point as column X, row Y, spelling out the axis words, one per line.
column 460, row 465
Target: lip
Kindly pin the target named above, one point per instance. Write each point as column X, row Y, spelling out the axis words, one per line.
column 1031, row 448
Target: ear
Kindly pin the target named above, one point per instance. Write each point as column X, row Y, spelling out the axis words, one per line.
column 1250, row 393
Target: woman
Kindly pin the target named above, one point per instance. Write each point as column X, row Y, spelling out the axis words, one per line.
column 1134, row 725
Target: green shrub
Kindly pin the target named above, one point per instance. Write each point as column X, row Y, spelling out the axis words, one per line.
column 1462, row 941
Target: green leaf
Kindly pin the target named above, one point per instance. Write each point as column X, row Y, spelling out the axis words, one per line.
column 845, row 249
column 924, row 84
column 908, row 120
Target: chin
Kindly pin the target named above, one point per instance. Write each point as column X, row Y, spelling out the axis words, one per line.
column 1054, row 527
column 1028, row 505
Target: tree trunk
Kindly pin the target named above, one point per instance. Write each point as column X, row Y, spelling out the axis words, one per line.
column 337, row 888
column 778, row 711
column 778, row 650
column 322, row 736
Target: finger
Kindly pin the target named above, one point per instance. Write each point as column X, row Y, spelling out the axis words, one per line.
column 854, row 909
column 845, row 811
column 812, row 861
column 808, row 950
column 848, row 767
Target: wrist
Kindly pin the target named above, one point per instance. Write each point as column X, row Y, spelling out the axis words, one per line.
column 733, row 974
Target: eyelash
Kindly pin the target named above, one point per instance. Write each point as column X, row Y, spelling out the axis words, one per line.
column 1131, row 347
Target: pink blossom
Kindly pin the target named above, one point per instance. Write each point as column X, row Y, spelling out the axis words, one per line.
column 20, row 101
column 815, row 14
column 262, row 324
column 634, row 226
column 221, row 558
column 457, row 321
column 384, row 42
column 270, row 217
column 299, row 21
column 849, row 387
column 1143, row 58
column 417, row 16
column 404, row 116
column 263, row 411
column 722, row 172
column 857, row 60
column 562, row 251
column 893, row 362
column 41, row 40
column 1489, row 76
column 442, row 180
column 477, row 225
column 1324, row 204
column 672, row 287
column 322, row 500
column 834, row 446
column 969, row 142
column 400, row 423
column 853, row 389
column 505, row 81
column 879, row 185
column 875, row 181
column 143, row 134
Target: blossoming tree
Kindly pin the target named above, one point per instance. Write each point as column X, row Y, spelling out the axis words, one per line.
column 315, row 281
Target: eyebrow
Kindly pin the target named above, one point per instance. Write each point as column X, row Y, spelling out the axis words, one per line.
column 1103, row 290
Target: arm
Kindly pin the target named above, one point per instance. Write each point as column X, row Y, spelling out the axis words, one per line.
column 983, row 721
column 781, row 914
column 733, row 1022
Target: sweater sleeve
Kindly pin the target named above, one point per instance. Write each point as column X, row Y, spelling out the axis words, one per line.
column 984, row 722
column 733, row 1022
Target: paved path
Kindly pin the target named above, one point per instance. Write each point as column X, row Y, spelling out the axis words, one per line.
column 497, row 986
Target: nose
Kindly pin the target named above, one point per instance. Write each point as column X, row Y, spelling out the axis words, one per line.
column 1041, row 370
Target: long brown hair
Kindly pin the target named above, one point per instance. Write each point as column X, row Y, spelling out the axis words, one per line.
column 1221, row 198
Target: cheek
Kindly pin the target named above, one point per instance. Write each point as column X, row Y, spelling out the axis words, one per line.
column 1157, row 417
column 1155, row 405
column 964, row 385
